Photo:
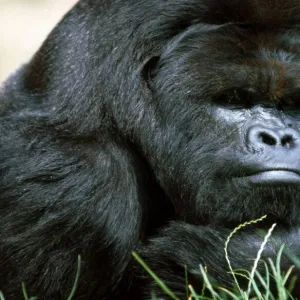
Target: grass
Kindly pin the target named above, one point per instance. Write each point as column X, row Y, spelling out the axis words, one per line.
column 258, row 285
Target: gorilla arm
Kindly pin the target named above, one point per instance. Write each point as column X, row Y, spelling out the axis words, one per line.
column 183, row 245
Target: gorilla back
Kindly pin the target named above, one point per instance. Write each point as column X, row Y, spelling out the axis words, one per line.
column 150, row 125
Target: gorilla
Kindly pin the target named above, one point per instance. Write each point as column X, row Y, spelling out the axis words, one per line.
column 152, row 126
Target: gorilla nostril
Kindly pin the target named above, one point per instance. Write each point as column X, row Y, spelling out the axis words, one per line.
column 287, row 141
column 282, row 138
column 267, row 139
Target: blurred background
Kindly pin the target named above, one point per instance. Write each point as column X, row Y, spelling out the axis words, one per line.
column 24, row 24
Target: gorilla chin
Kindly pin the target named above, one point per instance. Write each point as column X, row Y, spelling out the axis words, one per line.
column 157, row 127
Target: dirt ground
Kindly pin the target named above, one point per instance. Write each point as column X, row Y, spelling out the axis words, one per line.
column 24, row 24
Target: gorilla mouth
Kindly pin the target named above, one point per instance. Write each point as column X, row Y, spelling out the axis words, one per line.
column 275, row 176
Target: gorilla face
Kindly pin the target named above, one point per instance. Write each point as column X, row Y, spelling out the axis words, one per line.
column 149, row 126
column 227, row 96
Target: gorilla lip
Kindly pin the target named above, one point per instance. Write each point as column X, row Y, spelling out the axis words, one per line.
column 274, row 176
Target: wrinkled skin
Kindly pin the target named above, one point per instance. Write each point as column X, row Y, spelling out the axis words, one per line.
column 155, row 126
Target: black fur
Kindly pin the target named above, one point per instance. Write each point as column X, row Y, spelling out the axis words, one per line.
column 107, row 146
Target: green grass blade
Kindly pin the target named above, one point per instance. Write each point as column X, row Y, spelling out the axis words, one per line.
column 161, row 284
column 186, row 280
column 1, row 296
column 25, row 295
column 72, row 294
column 194, row 295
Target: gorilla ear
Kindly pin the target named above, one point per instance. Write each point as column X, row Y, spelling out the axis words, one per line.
column 150, row 69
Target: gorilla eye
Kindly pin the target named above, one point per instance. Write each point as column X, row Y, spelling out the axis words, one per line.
column 236, row 98
column 290, row 103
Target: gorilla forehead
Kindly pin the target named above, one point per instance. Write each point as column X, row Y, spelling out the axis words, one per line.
column 271, row 13
column 233, row 55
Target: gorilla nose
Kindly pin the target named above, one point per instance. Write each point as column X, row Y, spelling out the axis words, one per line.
column 286, row 138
